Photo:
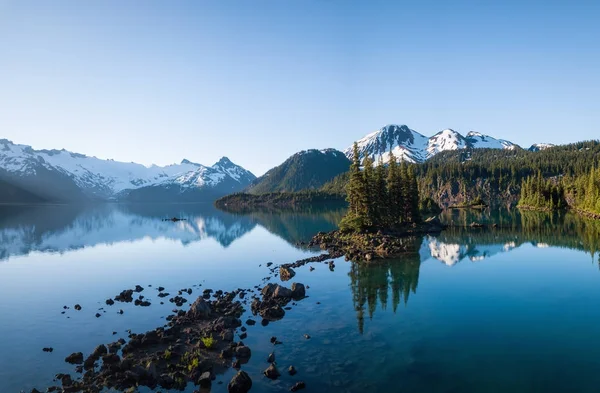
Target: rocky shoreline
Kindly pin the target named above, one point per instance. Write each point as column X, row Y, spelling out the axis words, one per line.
column 370, row 246
column 193, row 347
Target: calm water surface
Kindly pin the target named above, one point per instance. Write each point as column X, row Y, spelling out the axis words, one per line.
column 512, row 308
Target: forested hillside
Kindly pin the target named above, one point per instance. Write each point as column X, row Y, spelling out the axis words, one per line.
column 455, row 178
column 305, row 170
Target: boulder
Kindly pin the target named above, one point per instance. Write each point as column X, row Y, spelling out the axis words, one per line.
column 286, row 273
column 282, row 292
column 99, row 351
column 205, row 379
column 272, row 313
column 298, row 290
column 75, row 358
column 271, row 372
column 199, row 309
column 240, row 383
column 243, row 352
column 297, row 386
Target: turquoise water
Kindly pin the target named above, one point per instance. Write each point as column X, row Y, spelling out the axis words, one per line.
column 512, row 308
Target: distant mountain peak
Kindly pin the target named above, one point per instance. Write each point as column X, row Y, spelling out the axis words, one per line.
column 47, row 171
column 224, row 161
column 540, row 146
column 409, row 145
column 186, row 161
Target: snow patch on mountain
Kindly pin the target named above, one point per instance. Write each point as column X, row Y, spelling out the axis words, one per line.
column 479, row 140
column 540, row 146
column 404, row 143
column 408, row 145
column 445, row 140
column 107, row 178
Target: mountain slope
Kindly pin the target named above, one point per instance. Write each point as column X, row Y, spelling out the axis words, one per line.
column 60, row 175
column 308, row 169
column 404, row 143
column 410, row 146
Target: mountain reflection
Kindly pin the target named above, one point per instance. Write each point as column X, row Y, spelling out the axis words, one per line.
column 375, row 285
column 60, row 228
column 512, row 229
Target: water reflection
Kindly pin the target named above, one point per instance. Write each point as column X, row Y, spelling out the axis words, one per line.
column 509, row 229
column 373, row 284
column 60, row 228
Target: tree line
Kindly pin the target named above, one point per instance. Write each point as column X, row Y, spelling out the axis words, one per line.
column 380, row 197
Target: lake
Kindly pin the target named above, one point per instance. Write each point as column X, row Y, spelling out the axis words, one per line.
column 514, row 307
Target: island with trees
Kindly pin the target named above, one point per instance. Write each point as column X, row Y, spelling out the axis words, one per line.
column 384, row 216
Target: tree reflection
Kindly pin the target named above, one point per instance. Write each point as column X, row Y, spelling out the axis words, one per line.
column 371, row 284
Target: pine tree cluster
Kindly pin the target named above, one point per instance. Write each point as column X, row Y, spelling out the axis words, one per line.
column 380, row 197
column 540, row 193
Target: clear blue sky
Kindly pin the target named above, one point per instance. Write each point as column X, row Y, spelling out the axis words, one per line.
column 158, row 81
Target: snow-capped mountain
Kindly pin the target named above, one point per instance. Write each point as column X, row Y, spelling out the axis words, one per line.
column 445, row 140
column 408, row 145
column 478, row 140
column 540, row 146
column 405, row 144
column 63, row 175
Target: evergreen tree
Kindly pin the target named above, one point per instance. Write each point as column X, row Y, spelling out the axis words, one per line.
column 370, row 191
column 414, row 214
column 355, row 219
column 405, row 191
column 394, row 193
column 380, row 194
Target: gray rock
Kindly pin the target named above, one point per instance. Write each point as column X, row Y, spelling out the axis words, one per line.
column 199, row 309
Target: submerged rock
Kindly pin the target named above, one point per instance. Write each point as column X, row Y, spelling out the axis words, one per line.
column 297, row 386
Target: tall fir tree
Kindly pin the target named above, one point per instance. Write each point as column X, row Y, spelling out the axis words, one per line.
column 405, row 191
column 393, row 192
column 381, row 201
column 369, row 182
column 413, row 187
column 356, row 190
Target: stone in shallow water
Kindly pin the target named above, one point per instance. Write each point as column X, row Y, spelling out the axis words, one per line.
column 271, row 372
column 240, row 383
column 297, row 386
column 286, row 273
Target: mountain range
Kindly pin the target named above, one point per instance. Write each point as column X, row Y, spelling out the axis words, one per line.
column 409, row 145
column 63, row 176
column 32, row 176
